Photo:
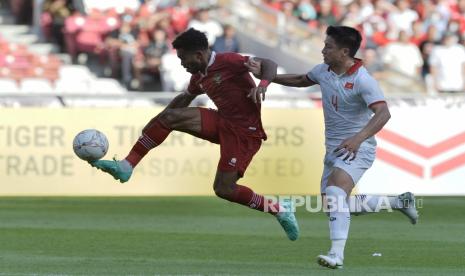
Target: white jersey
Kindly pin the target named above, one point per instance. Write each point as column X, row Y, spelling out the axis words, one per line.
column 346, row 102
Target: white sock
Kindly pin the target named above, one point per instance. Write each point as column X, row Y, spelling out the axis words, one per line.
column 339, row 219
column 365, row 204
column 337, row 246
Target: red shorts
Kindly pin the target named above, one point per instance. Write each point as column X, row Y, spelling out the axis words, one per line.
column 237, row 150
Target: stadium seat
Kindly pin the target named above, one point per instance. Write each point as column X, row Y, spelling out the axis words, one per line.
column 75, row 72
column 8, row 86
column 36, row 86
column 70, row 86
column 98, row 87
column 140, row 103
column 119, row 5
column 106, row 86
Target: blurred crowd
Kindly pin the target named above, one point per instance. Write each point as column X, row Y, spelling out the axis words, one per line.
column 129, row 38
column 422, row 39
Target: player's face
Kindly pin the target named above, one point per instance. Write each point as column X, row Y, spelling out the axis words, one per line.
column 332, row 54
column 193, row 61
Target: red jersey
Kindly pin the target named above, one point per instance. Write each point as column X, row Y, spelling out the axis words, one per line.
column 227, row 82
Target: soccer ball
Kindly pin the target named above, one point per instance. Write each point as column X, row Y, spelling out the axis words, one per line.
column 90, row 145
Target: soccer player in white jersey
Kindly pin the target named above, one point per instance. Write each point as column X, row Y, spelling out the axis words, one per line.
column 354, row 111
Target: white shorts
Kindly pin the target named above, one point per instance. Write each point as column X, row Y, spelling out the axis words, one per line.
column 355, row 168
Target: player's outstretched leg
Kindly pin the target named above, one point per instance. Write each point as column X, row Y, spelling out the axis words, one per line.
column 152, row 135
column 366, row 204
column 225, row 187
column 284, row 213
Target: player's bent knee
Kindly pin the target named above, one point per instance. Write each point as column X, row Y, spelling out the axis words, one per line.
column 223, row 193
column 223, row 189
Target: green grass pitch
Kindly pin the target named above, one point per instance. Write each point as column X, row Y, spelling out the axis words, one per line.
column 209, row 236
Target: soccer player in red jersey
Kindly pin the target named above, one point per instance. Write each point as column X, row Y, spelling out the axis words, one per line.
column 236, row 126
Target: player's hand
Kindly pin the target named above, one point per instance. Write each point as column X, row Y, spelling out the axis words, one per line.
column 348, row 148
column 255, row 67
column 257, row 94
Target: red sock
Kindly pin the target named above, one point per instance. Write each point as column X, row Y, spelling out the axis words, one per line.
column 245, row 196
column 152, row 136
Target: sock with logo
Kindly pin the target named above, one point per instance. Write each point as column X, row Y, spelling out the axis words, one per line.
column 245, row 196
column 339, row 219
column 152, row 136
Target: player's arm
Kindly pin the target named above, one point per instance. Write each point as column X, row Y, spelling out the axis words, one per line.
column 294, row 80
column 267, row 71
column 268, row 68
column 350, row 146
column 380, row 118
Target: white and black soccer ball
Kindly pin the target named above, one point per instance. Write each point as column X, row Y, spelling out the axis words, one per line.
column 90, row 145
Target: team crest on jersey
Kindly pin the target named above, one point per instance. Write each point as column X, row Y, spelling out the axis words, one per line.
column 233, row 162
column 217, row 78
column 349, row 85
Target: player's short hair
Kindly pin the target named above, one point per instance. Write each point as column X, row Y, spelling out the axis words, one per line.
column 345, row 37
column 191, row 40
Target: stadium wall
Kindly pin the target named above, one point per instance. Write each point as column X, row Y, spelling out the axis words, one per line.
column 36, row 155
column 421, row 150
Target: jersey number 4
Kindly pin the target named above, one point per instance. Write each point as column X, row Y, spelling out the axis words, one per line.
column 334, row 101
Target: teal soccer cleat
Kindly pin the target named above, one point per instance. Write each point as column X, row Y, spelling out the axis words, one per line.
column 119, row 171
column 288, row 221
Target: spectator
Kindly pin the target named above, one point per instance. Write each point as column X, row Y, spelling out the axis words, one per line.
column 306, row 11
column 180, row 15
column 403, row 17
column 227, row 42
column 371, row 62
column 326, row 16
column 203, row 23
column 288, row 8
column 403, row 56
column 150, row 59
column 418, row 33
column 434, row 17
column 59, row 10
column 124, row 43
column 165, row 24
column 22, row 10
column 353, row 16
column 366, row 9
column 447, row 63
column 374, row 27
column 426, row 47
column 433, row 35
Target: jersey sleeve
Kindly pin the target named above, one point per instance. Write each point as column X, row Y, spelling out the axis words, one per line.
column 313, row 74
column 193, row 87
column 370, row 91
column 236, row 62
